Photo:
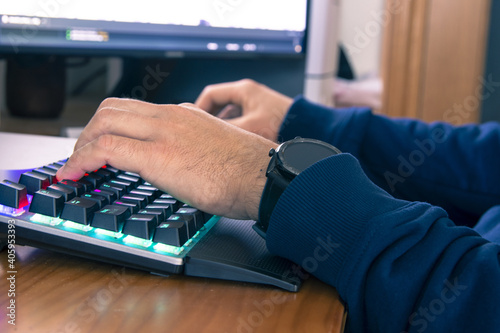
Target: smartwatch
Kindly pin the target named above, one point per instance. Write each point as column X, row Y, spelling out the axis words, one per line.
column 287, row 162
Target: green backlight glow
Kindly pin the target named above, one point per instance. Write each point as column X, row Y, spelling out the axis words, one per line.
column 78, row 226
column 43, row 219
column 137, row 241
column 105, row 232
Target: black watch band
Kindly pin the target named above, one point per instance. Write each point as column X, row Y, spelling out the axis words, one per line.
column 275, row 186
column 287, row 161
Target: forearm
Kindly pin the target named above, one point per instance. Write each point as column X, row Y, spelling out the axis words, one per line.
column 453, row 167
column 398, row 265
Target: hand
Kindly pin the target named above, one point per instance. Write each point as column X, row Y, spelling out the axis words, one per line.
column 196, row 157
column 262, row 109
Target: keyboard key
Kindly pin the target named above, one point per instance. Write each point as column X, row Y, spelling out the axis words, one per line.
column 80, row 210
column 118, row 190
column 140, row 200
column 199, row 220
column 171, row 233
column 167, row 209
column 110, row 196
column 106, row 175
column 13, row 194
column 111, row 217
column 133, row 207
column 146, row 194
column 176, row 204
column 140, row 225
column 47, row 202
column 67, row 193
column 96, row 180
column 160, row 216
column 34, row 181
column 73, row 185
column 188, row 220
column 51, row 173
column 101, row 200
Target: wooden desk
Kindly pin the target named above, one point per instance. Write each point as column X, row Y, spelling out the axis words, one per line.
column 59, row 293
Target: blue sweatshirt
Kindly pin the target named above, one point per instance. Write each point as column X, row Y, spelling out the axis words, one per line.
column 405, row 224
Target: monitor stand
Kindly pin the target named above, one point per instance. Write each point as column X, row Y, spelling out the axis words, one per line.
column 35, row 85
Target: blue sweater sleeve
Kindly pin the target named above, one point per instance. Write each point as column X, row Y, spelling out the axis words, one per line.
column 452, row 167
column 399, row 266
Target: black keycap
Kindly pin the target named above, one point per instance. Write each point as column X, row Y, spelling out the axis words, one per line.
column 160, row 216
column 13, row 194
column 67, row 193
column 139, row 199
column 101, row 200
column 110, row 196
column 96, row 180
column 111, row 217
column 188, row 220
column 80, row 210
column 140, row 225
column 47, row 202
column 146, row 194
column 197, row 215
column 72, row 185
column 135, row 181
column 176, row 204
column 87, row 185
column 51, row 173
column 106, row 175
column 118, row 190
column 127, row 186
column 167, row 209
column 133, row 207
column 34, row 181
column 171, row 233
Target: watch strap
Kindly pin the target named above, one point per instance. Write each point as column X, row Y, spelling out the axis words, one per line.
column 275, row 186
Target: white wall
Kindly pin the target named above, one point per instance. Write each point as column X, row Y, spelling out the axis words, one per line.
column 361, row 33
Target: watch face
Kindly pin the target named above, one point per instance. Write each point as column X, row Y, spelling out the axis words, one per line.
column 299, row 154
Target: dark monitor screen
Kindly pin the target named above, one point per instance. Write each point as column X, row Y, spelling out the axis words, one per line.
column 153, row 28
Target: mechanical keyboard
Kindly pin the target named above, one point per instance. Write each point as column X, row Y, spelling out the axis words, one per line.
column 115, row 216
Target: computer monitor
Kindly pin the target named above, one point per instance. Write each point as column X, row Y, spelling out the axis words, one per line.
column 192, row 43
column 153, row 28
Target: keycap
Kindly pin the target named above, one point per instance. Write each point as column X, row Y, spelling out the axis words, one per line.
column 146, row 194
column 101, row 200
column 188, row 220
column 135, row 181
column 34, row 181
column 51, row 173
column 106, row 175
column 118, row 190
column 199, row 220
column 72, row 185
column 140, row 225
column 67, row 193
column 176, row 204
column 160, row 216
column 171, row 233
column 47, row 202
column 110, row 196
column 80, row 210
column 13, row 194
column 111, row 217
column 167, row 209
column 96, row 180
column 140, row 200
column 133, row 207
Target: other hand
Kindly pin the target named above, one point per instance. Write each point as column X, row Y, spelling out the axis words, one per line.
column 262, row 109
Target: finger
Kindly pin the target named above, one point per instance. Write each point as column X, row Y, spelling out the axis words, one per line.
column 230, row 111
column 120, row 122
column 120, row 152
column 215, row 97
column 132, row 105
